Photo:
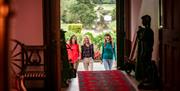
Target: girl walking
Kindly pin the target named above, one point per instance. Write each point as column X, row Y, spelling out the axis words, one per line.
column 87, row 54
column 73, row 53
column 108, row 52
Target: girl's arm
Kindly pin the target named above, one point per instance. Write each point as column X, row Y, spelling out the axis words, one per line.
column 114, row 51
column 92, row 51
column 78, row 51
column 82, row 56
column 102, row 51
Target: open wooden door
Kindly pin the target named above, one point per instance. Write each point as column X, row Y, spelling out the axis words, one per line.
column 170, row 46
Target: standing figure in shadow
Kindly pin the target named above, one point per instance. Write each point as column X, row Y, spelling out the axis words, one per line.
column 145, row 38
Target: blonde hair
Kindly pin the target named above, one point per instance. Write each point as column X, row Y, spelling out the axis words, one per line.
column 84, row 40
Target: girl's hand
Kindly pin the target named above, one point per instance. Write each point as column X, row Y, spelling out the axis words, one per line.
column 115, row 63
column 79, row 58
column 101, row 62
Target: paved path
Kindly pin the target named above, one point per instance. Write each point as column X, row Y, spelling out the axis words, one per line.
column 97, row 66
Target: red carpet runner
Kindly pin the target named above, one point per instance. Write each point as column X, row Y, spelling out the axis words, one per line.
column 103, row 81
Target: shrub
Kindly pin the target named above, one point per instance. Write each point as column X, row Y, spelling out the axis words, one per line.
column 97, row 55
column 76, row 28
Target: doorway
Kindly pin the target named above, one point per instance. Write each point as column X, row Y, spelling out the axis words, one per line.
column 92, row 18
column 121, row 27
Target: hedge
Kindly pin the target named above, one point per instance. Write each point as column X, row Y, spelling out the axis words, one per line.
column 77, row 28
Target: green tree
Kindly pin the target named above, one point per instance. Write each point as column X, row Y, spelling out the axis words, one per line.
column 104, row 1
column 66, row 17
column 84, row 12
column 113, row 14
column 99, row 39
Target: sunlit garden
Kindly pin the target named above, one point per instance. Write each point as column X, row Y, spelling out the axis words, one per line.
column 89, row 17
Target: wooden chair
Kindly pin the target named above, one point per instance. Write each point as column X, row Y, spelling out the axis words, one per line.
column 27, row 63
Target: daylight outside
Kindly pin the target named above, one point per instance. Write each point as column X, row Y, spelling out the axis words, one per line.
column 92, row 18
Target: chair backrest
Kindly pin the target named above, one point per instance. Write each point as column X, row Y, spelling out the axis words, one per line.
column 34, row 60
column 34, row 69
column 27, row 63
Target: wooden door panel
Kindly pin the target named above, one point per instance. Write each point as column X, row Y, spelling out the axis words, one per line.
column 167, row 13
column 170, row 76
column 170, row 46
column 166, row 70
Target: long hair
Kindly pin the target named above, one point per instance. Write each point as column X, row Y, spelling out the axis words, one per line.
column 110, row 39
column 84, row 40
column 70, row 41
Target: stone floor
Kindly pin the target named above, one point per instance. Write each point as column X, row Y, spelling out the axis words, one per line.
column 97, row 66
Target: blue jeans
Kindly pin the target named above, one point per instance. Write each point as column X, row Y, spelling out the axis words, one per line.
column 108, row 63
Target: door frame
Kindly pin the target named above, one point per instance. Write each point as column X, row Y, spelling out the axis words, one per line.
column 4, row 44
column 51, row 26
column 51, row 18
column 123, row 27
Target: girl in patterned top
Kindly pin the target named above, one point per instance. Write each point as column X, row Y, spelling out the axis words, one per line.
column 87, row 54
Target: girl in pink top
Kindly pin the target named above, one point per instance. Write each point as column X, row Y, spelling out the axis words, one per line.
column 73, row 52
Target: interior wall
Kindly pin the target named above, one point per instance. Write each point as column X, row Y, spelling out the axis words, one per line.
column 135, row 19
column 26, row 25
column 143, row 7
column 27, row 21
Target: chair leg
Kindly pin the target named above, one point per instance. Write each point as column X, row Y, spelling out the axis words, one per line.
column 22, row 86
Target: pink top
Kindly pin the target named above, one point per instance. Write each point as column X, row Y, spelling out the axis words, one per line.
column 73, row 52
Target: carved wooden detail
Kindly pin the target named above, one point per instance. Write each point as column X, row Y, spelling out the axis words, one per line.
column 27, row 62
